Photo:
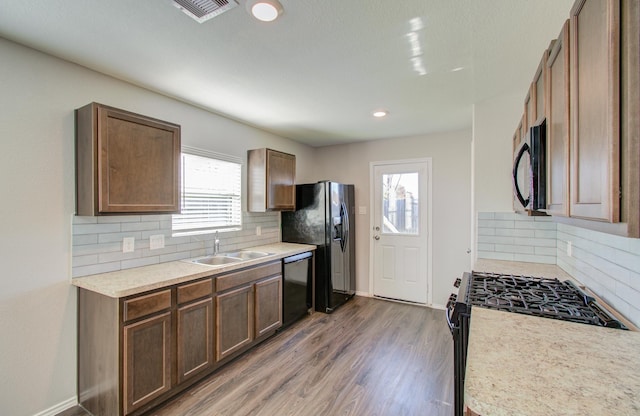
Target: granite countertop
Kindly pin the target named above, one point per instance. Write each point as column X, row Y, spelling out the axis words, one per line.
column 141, row 279
column 520, row 365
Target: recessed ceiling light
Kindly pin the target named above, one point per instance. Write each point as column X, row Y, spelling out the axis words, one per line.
column 460, row 68
column 265, row 10
column 380, row 113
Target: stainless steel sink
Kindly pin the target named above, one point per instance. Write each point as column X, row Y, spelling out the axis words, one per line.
column 230, row 257
column 217, row 260
column 247, row 254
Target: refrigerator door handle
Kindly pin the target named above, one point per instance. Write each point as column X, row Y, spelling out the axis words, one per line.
column 345, row 224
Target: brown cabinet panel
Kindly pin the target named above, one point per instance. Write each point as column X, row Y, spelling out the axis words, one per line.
column 529, row 109
column 146, row 305
column 557, row 112
column 630, row 114
column 99, row 388
column 231, row 280
column 539, row 85
column 194, row 338
column 281, row 174
column 595, row 105
column 147, row 361
column 268, row 305
column 234, row 321
column 193, row 291
column 126, row 162
column 271, row 180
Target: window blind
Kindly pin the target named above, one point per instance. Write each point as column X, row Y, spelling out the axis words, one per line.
column 211, row 192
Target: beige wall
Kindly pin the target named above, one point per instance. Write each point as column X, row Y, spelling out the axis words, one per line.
column 494, row 123
column 37, row 303
column 451, row 193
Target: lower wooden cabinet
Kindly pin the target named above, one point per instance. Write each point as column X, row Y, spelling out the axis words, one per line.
column 268, row 301
column 234, row 326
column 136, row 352
column 194, row 336
column 147, row 360
column 248, row 312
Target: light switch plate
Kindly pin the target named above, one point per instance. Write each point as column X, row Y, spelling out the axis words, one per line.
column 128, row 244
column 156, row 241
column 258, row 230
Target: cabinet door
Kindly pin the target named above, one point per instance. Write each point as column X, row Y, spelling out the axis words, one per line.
column 538, row 91
column 281, row 174
column 138, row 162
column 147, row 360
column 557, row 111
column 234, row 319
column 595, row 88
column 268, row 301
column 529, row 109
column 194, row 338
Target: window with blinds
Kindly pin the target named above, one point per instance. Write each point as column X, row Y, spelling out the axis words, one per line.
column 211, row 193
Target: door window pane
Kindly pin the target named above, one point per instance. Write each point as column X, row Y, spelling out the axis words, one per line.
column 400, row 203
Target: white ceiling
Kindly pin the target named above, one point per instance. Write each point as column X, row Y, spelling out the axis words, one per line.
column 316, row 74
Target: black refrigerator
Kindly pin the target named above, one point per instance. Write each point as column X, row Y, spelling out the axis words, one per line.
column 325, row 217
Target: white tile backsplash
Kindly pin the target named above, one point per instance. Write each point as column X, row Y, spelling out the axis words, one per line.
column 513, row 236
column 607, row 264
column 97, row 241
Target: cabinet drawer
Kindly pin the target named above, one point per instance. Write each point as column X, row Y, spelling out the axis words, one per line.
column 192, row 291
column 245, row 276
column 147, row 304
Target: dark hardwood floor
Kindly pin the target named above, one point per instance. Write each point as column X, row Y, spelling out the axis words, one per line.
column 370, row 357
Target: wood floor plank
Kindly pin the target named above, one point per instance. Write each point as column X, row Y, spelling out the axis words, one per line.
column 370, row 357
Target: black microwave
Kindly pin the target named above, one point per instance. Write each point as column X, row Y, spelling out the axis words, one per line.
column 529, row 169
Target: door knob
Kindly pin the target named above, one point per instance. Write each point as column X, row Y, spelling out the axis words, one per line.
column 376, row 237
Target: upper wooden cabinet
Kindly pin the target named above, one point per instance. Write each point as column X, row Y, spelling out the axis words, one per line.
column 125, row 163
column 271, row 181
column 557, row 113
column 537, row 90
column 630, row 115
column 595, row 110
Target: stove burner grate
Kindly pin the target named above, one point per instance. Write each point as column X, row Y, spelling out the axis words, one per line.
column 544, row 297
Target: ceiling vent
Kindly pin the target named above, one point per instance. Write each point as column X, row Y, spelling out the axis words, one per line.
column 203, row 10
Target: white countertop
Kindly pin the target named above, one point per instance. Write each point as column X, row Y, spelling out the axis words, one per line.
column 519, row 365
column 141, row 279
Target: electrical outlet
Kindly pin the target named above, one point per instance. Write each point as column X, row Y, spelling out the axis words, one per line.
column 156, row 241
column 570, row 248
column 128, row 244
column 258, row 230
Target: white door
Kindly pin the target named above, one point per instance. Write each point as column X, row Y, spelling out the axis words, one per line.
column 400, row 243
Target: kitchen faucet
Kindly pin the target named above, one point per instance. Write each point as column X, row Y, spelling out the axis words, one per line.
column 216, row 244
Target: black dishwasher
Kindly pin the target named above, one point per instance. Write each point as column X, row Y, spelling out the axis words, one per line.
column 296, row 288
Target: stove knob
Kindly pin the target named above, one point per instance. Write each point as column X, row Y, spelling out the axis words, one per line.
column 457, row 282
column 452, row 300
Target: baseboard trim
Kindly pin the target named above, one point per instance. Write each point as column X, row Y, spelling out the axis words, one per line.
column 59, row 408
column 369, row 295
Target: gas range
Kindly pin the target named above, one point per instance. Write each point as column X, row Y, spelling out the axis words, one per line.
column 544, row 297
column 536, row 296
